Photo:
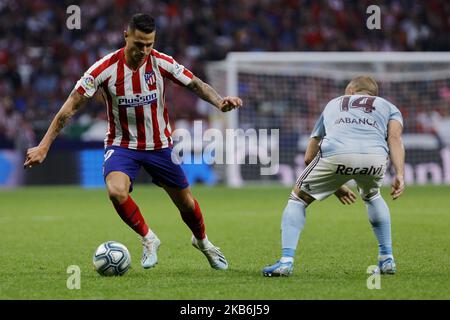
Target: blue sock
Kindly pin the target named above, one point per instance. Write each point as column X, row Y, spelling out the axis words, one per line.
column 291, row 226
column 380, row 220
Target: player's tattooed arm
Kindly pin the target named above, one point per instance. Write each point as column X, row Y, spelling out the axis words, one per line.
column 207, row 93
column 38, row 154
column 69, row 108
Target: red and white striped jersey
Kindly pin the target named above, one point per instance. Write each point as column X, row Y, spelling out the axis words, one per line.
column 135, row 100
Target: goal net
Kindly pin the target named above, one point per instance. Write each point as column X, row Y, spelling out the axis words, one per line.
column 288, row 91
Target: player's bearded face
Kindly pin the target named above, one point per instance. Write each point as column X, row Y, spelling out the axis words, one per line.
column 139, row 43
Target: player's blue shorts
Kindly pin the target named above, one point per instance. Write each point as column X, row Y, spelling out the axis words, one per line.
column 158, row 163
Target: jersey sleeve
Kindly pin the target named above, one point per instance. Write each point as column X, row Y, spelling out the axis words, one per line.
column 319, row 128
column 172, row 70
column 87, row 85
column 95, row 75
column 395, row 114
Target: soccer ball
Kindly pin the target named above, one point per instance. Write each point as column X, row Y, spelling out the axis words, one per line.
column 111, row 259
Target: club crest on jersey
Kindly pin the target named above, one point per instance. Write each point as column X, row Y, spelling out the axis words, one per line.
column 150, row 78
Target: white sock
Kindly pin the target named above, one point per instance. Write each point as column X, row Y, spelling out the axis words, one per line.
column 385, row 256
column 287, row 259
column 150, row 235
column 292, row 223
column 380, row 219
column 204, row 243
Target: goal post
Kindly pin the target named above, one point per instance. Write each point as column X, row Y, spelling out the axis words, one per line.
column 288, row 91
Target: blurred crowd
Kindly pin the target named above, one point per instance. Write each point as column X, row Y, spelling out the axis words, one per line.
column 41, row 59
column 295, row 103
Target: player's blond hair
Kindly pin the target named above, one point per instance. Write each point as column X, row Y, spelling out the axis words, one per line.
column 365, row 84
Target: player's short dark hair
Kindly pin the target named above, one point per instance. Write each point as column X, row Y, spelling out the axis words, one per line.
column 142, row 22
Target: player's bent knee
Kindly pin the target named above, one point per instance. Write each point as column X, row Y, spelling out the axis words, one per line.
column 182, row 198
column 186, row 204
column 117, row 193
column 302, row 196
column 370, row 196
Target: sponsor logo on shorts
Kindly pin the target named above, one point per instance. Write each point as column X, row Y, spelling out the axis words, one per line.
column 370, row 171
column 108, row 154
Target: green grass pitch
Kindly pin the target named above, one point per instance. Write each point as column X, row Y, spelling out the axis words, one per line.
column 44, row 230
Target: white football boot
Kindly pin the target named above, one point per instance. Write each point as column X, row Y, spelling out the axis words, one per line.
column 150, row 251
column 386, row 265
column 215, row 258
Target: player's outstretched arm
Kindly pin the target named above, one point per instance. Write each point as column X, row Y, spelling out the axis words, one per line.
column 38, row 154
column 207, row 93
column 397, row 155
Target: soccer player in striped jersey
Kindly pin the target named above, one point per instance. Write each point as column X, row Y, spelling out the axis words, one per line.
column 351, row 140
column 131, row 80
